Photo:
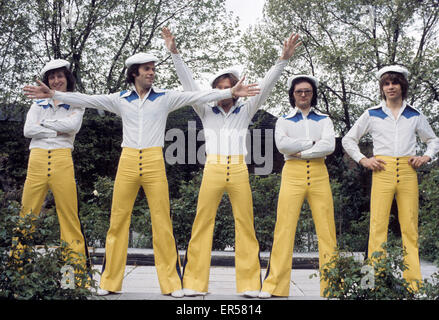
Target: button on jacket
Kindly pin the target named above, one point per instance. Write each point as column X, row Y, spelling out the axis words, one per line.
column 44, row 120
column 143, row 121
column 225, row 133
column 296, row 132
column 391, row 137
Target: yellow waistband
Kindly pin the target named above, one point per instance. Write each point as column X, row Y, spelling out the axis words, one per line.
column 315, row 160
column 53, row 152
column 135, row 152
column 390, row 158
column 222, row 159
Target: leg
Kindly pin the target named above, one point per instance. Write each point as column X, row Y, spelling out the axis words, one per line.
column 291, row 196
column 35, row 188
column 36, row 184
column 382, row 194
column 198, row 256
column 166, row 258
column 248, row 269
column 322, row 208
column 63, row 185
column 407, row 198
column 126, row 187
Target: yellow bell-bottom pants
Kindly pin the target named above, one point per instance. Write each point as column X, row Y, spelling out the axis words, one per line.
column 301, row 179
column 141, row 168
column 53, row 169
column 398, row 179
column 230, row 174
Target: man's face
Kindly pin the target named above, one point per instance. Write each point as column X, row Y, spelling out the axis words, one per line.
column 146, row 76
column 57, row 81
column 392, row 90
column 224, row 84
column 303, row 94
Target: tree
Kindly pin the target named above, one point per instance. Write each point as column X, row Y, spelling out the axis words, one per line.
column 96, row 36
column 344, row 43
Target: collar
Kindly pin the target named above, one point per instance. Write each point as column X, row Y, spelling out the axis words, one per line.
column 296, row 115
column 234, row 110
column 46, row 103
column 132, row 94
column 406, row 110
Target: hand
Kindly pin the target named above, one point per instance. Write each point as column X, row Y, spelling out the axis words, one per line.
column 297, row 155
column 242, row 90
column 38, row 92
column 416, row 162
column 169, row 40
column 290, row 46
column 373, row 163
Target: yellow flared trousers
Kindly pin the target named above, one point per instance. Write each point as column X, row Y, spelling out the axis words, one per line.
column 398, row 180
column 141, row 168
column 53, row 169
column 223, row 174
column 301, row 179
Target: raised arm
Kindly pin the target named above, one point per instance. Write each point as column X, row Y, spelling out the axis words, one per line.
column 273, row 75
column 183, row 72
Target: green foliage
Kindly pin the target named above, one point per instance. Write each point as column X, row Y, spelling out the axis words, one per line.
column 30, row 268
column 265, row 191
column 348, row 279
column 429, row 216
column 95, row 212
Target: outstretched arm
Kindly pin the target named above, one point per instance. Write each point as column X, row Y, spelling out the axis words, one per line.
column 76, row 99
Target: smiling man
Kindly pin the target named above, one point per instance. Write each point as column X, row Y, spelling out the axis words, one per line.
column 52, row 126
column 393, row 125
column 305, row 137
column 144, row 110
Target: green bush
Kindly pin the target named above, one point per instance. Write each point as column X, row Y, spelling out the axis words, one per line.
column 30, row 268
column 349, row 278
column 429, row 216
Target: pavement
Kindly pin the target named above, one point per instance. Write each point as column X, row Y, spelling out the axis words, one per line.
column 141, row 283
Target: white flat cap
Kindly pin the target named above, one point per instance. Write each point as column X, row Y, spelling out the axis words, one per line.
column 393, row 68
column 140, row 58
column 54, row 64
column 313, row 79
column 223, row 72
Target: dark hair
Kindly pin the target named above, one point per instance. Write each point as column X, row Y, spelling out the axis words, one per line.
column 297, row 81
column 71, row 81
column 394, row 77
column 133, row 69
column 233, row 81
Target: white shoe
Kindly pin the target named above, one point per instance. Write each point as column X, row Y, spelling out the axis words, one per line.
column 102, row 292
column 264, row 295
column 251, row 294
column 193, row 293
column 178, row 294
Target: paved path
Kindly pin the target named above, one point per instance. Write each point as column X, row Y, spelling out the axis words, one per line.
column 140, row 283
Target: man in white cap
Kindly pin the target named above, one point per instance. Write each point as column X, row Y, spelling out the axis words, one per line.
column 225, row 127
column 52, row 126
column 305, row 137
column 393, row 125
column 144, row 110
